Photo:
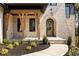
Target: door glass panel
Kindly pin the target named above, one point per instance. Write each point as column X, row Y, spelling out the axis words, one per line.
column 32, row 25
column 18, row 25
column 50, row 27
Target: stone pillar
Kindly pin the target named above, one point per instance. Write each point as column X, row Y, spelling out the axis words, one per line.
column 1, row 24
column 10, row 27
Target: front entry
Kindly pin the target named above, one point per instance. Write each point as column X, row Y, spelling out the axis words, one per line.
column 18, row 28
column 50, row 28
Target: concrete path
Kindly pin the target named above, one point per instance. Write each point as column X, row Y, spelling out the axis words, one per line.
column 53, row 50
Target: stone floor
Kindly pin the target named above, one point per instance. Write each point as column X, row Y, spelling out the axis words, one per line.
column 53, row 50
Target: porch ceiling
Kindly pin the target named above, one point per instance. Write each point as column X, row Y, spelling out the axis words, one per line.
column 25, row 5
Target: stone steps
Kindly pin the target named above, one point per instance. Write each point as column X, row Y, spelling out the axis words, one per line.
column 52, row 40
column 56, row 40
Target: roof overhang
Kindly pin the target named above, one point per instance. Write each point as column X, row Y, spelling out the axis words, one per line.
column 25, row 5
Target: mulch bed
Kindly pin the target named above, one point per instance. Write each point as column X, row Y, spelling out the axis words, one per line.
column 20, row 50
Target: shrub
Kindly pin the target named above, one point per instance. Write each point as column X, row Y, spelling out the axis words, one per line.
column 0, row 47
column 6, row 41
column 16, row 43
column 69, row 41
column 1, row 43
column 33, row 44
column 4, row 51
column 36, row 41
column 73, row 51
column 29, row 41
column 10, row 46
column 28, row 47
column 45, row 40
column 21, row 41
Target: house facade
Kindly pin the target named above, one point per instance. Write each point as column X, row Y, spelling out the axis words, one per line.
column 19, row 21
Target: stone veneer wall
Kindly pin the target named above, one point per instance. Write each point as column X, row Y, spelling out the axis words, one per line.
column 1, row 24
column 64, row 27
column 71, row 26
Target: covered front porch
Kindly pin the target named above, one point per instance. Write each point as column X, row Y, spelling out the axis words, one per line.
column 22, row 21
column 21, row 25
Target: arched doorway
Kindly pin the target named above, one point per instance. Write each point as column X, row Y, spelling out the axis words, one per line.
column 50, row 28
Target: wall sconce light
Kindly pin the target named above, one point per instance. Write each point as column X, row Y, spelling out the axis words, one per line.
column 51, row 12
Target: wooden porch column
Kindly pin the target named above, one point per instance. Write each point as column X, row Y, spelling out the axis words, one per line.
column 38, row 26
column 22, row 21
column 6, row 21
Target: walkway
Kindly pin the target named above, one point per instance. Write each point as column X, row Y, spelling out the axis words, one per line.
column 53, row 50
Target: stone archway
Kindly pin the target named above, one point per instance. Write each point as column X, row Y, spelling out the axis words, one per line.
column 50, row 28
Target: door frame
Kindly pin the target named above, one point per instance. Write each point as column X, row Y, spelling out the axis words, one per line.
column 54, row 27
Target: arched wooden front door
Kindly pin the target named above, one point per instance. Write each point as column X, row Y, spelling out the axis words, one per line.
column 50, row 28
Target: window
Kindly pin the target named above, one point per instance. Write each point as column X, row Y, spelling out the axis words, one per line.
column 72, row 9
column 67, row 11
column 32, row 24
column 53, row 4
column 18, row 25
